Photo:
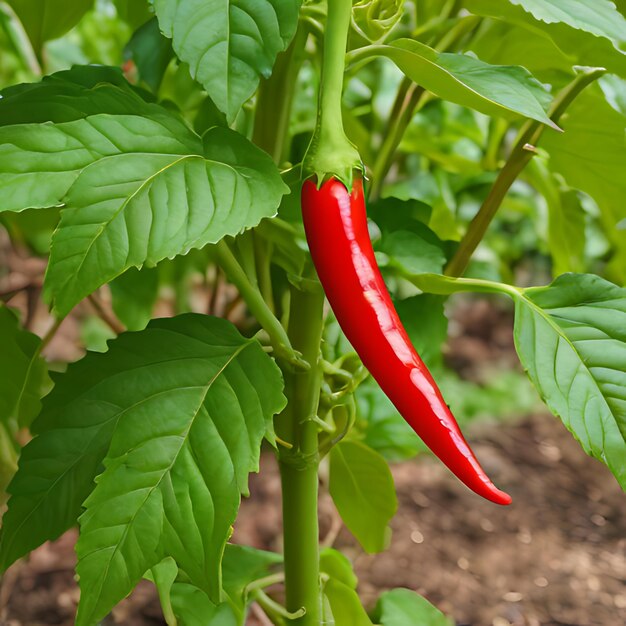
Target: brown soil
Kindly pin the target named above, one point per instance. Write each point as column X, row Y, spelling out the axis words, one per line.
column 556, row 557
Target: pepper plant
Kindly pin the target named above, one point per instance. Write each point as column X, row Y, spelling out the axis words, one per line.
column 192, row 156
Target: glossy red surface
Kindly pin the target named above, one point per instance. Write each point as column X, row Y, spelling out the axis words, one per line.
column 335, row 222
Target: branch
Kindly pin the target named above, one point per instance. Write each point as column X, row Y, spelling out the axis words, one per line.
column 520, row 156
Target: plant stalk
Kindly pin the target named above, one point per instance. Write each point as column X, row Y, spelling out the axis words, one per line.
column 275, row 99
column 257, row 305
column 520, row 156
column 299, row 464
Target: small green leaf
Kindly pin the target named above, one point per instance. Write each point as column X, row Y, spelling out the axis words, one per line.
column 362, row 489
column 500, row 90
column 48, row 19
column 337, row 565
column 23, row 373
column 401, row 607
column 345, row 604
column 590, row 156
column 134, row 295
column 412, row 254
column 151, row 52
column 229, row 45
column 134, row 12
column 385, row 429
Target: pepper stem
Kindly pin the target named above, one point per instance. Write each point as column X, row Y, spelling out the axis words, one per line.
column 330, row 152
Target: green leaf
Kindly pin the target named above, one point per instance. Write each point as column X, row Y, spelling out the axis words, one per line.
column 575, row 36
column 340, row 589
column 337, row 565
column 72, row 95
column 566, row 221
column 164, row 575
column 424, row 319
column 571, row 339
column 241, row 566
column 149, row 193
column 134, row 295
column 194, row 608
column 229, row 45
column 362, row 489
column 48, row 19
column 140, row 370
column 590, row 155
column 385, row 429
column 23, row 373
column 345, row 604
column 598, row 17
column 179, row 457
column 134, row 12
column 400, row 607
column 151, row 52
column 499, row 90
column 412, row 254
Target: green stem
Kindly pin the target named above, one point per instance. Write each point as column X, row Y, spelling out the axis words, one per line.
column 520, row 156
column 257, row 305
column 393, row 137
column 299, row 465
column 408, row 99
column 331, row 152
column 275, row 99
column 19, row 39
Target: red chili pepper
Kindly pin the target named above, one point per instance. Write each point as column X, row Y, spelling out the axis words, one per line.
column 335, row 222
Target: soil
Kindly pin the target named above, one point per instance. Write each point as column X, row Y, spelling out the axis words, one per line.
column 555, row 557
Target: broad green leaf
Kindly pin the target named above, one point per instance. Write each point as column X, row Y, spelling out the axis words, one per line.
column 228, row 44
column 500, row 90
column 584, row 47
column 362, row 489
column 48, row 19
column 179, row 457
column 598, row 17
column 161, row 192
column 73, row 94
column 571, row 339
column 57, row 467
column 400, row 607
column 23, row 373
column 134, row 295
column 590, row 155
